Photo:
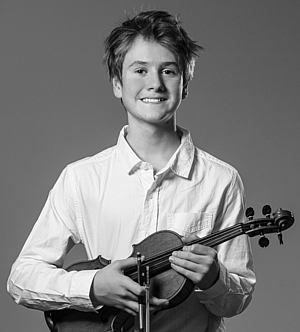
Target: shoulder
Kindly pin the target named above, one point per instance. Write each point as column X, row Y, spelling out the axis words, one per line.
column 216, row 169
column 211, row 161
column 90, row 165
column 206, row 167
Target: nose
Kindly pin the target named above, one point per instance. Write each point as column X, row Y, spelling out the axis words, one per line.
column 155, row 82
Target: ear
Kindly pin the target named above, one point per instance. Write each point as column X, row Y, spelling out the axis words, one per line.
column 117, row 87
column 185, row 91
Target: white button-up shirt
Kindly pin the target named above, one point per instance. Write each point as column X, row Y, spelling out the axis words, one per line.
column 113, row 200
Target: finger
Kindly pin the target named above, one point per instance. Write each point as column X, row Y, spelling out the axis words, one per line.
column 203, row 270
column 130, row 307
column 202, row 256
column 134, row 289
column 198, row 249
column 189, row 238
column 189, row 262
column 189, row 254
column 190, row 265
column 187, row 272
column 126, row 263
column 131, row 312
column 159, row 302
column 190, row 269
column 128, row 283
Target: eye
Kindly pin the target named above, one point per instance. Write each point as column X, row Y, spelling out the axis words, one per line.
column 140, row 71
column 169, row 72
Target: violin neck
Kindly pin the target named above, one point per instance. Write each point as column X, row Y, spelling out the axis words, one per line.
column 160, row 262
column 219, row 237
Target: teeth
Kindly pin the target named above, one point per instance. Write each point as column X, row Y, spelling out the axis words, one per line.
column 152, row 100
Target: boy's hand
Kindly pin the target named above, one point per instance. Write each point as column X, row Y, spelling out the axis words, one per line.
column 112, row 288
column 196, row 262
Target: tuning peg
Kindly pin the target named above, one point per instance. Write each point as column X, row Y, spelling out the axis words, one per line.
column 249, row 213
column 263, row 241
column 267, row 211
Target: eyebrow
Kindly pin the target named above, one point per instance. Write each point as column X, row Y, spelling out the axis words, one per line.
column 144, row 63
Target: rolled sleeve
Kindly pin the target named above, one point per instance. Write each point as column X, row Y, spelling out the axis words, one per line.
column 229, row 296
column 232, row 292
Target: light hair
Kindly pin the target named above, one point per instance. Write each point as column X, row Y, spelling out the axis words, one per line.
column 158, row 26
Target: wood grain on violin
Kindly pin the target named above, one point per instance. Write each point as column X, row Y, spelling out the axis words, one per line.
column 165, row 282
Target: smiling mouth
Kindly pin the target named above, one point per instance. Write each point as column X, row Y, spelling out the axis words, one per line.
column 152, row 100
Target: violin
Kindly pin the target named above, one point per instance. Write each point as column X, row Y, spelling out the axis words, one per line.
column 165, row 283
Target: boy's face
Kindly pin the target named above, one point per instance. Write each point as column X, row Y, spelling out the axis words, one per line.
column 152, row 83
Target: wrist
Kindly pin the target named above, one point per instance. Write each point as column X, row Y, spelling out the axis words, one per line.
column 209, row 281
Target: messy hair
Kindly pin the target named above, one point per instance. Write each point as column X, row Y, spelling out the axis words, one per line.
column 158, row 26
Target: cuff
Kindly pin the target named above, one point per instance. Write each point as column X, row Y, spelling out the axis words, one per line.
column 221, row 286
column 80, row 290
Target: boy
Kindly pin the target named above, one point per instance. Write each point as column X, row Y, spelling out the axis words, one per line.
column 153, row 179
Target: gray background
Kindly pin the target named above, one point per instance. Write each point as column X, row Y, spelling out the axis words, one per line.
column 57, row 106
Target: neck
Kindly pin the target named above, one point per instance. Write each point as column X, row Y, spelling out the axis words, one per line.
column 154, row 144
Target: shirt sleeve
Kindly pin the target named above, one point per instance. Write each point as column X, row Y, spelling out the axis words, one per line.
column 232, row 292
column 37, row 279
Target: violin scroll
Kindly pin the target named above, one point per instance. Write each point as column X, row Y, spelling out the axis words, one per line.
column 277, row 223
column 283, row 219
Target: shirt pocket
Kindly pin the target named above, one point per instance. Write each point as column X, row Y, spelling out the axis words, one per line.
column 185, row 224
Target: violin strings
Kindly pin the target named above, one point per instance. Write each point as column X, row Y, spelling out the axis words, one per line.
column 161, row 262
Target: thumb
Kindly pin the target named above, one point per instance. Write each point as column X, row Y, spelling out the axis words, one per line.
column 126, row 263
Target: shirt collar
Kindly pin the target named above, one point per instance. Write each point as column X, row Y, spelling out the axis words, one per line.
column 128, row 156
column 180, row 163
column 182, row 160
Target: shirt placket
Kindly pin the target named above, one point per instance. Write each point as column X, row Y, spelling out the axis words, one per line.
column 151, row 202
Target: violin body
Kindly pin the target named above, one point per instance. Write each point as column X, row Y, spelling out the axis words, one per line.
column 166, row 285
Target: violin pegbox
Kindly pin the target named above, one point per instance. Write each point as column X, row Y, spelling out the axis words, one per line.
column 277, row 223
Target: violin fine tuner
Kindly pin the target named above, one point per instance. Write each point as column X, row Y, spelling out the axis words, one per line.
column 278, row 222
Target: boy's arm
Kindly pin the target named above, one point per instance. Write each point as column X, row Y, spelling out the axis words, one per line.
column 37, row 279
column 224, row 276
